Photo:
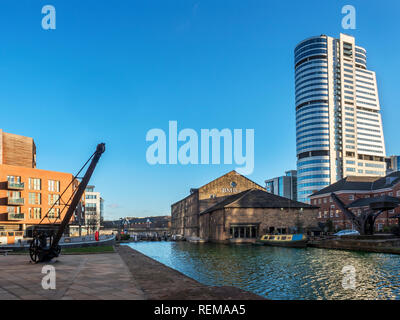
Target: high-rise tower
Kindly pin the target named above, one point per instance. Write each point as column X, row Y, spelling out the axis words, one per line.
column 338, row 121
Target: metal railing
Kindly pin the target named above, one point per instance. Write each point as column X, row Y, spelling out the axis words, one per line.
column 16, row 216
column 15, row 185
column 16, row 201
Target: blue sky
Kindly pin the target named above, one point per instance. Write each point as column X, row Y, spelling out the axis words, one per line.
column 112, row 70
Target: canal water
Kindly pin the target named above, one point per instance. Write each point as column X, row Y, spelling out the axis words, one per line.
column 282, row 273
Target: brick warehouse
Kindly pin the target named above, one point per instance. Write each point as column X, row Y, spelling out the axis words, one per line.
column 196, row 215
column 350, row 190
column 27, row 193
column 247, row 215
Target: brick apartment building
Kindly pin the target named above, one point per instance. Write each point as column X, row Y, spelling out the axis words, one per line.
column 27, row 193
column 351, row 189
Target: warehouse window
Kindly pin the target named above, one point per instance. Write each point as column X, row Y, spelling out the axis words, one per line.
column 245, row 231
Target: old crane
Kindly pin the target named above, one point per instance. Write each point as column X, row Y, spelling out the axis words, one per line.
column 45, row 243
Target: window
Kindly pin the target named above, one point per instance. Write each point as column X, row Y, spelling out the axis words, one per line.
column 398, row 193
column 54, row 199
column 54, row 213
column 243, row 231
column 351, row 197
column 54, row 185
column 35, row 213
column 35, row 198
column 14, row 209
column 35, row 184
column 14, row 179
column 14, row 194
column 319, row 214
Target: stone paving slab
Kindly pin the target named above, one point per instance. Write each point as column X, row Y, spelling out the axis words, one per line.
column 78, row 277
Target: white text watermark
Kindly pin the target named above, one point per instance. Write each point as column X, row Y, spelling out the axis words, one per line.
column 189, row 151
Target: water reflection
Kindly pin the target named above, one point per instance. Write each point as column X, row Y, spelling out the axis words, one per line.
column 281, row 273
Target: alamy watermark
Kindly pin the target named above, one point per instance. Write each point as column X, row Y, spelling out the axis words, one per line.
column 49, row 20
column 189, row 151
column 49, row 280
column 349, row 278
column 349, row 20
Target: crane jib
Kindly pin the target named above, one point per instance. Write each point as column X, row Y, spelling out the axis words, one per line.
column 39, row 251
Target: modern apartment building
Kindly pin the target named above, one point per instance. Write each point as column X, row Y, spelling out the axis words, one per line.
column 27, row 194
column 284, row 186
column 392, row 164
column 338, row 120
column 94, row 207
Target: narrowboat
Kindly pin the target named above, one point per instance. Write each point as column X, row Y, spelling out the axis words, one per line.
column 285, row 240
column 11, row 237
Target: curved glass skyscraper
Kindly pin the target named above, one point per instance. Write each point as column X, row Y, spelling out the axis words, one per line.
column 338, row 123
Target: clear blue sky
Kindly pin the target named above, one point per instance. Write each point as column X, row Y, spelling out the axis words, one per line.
column 112, row 70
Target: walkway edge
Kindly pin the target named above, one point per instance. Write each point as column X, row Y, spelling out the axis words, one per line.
column 160, row 282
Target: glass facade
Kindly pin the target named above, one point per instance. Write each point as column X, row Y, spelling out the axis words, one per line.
column 337, row 113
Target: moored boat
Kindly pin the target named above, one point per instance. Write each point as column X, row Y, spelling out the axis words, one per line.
column 298, row 240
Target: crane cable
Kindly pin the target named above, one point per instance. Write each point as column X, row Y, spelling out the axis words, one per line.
column 75, row 177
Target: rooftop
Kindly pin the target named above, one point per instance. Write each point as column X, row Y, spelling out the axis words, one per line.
column 354, row 183
column 255, row 198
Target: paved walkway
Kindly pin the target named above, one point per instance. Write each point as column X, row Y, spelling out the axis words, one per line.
column 160, row 282
column 126, row 274
column 83, row 277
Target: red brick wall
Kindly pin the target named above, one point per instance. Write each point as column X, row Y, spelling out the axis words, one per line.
column 329, row 209
column 25, row 174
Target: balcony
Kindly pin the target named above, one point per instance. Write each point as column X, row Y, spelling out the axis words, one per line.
column 15, row 201
column 16, row 216
column 15, row 185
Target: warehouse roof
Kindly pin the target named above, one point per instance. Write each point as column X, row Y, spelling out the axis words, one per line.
column 255, row 198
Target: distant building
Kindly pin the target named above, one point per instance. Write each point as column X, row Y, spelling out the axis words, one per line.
column 160, row 224
column 392, row 164
column 351, row 189
column 94, row 207
column 284, row 186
